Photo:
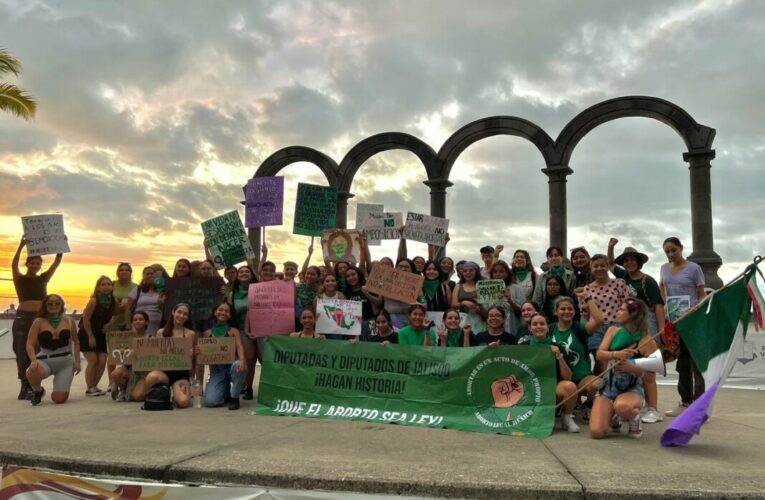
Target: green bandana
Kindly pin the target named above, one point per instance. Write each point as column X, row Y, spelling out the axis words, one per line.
column 54, row 320
column 219, row 330
column 546, row 341
column 104, row 300
column 556, row 271
column 430, row 287
column 521, row 274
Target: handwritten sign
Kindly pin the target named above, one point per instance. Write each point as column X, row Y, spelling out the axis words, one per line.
column 226, row 239
column 362, row 209
column 201, row 294
column 337, row 316
column 341, row 245
column 426, row 229
column 162, row 353
column 490, row 292
column 384, row 225
column 45, row 234
column 315, row 209
column 120, row 347
column 272, row 308
column 395, row 284
column 264, row 201
column 216, row 350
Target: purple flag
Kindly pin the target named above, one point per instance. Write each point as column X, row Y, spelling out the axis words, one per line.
column 688, row 423
column 263, row 200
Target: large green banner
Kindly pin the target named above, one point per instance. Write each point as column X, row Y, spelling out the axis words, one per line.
column 505, row 389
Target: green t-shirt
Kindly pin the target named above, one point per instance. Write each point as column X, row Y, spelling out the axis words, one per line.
column 407, row 336
column 453, row 339
column 623, row 339
column 573, row 351
column 304, row 295
column 645, row 289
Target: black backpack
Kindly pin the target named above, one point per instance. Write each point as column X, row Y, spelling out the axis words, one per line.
column 158, row 398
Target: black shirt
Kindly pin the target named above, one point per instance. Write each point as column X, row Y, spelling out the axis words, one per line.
column 484, row 338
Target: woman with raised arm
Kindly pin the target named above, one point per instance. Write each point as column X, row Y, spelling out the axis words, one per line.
column 146, row 297
column 465, row 293
column 225, row 380
column 59, row 351
column 31, row 289
column 621, row 397
column 399, row 310
column 95, row 321
column 555, row 263
column 524, row 272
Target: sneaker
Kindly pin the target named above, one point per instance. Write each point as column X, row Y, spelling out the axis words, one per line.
column 233, row 404
column 616, row 423
column 569, row 424
column 248, row 395
column 24, row 391
column 636, row 427
column 94, row 391
column 677, row 410
column 37, row 396
column 121, row 395
column 652, row 416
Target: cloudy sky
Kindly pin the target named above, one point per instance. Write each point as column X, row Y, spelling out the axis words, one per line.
column 152, row 115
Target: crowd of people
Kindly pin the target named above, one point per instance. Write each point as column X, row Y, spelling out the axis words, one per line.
column 595, row 312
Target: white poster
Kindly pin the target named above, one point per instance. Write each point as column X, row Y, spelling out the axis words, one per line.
column 362, row 209
column 45, row 234
column 426, row 229
column 337, row 316
column 384, row 225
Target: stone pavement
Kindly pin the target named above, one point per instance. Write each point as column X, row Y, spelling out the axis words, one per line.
column 215, row 446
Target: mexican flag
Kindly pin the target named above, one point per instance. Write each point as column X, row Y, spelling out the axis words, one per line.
column 714, row 333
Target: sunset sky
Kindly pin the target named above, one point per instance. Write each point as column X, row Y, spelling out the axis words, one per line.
column 153, row 115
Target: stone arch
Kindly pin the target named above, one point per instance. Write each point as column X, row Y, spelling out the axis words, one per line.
column 378, row 143
column 489, row 127
column 293, row 154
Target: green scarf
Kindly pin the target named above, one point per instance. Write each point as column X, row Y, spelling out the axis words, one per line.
column 556, row 271
column 430, row 287
column 546, row 341
column 104, row 300
column 219, row 330
column 54, row 320
column 521, row 274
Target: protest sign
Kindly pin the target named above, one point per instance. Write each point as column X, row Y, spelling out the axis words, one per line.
column 315, row 209
column 341, row 245
column 201, row 294
column 120, row 347
column 490, row 292
column 45, row 234
column 263, row 201
column 272, row 308
column 435, row 319
column 337, row 316
column 395, row 284
column 162, row 353
column 384, row 225
column 362, row 209
column 226, row 240
column 507, row 389
column 426, row 229
column 216, row 350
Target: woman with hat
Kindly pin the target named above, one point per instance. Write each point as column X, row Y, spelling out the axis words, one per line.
column 641, row 286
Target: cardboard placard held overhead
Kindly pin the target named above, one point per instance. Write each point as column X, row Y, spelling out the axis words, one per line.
column 264, row 201
column 341, row 245
column 201, row 294
column 226, row 239
column 490, row 292
column 272, row 308
column 426, row 229
column 120, row 347
column 362, row 209
column 162, row 353
column 384, row 225
column 315, row 209
column 395, row 284
column 216, row 350
column 45, row 234
column 336, row 316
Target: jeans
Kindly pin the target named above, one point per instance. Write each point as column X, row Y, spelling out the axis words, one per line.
column 20, row 328
column 224, row 378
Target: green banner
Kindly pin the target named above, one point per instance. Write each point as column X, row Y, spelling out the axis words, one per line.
column 505, row 389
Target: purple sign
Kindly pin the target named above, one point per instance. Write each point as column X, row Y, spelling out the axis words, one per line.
column 264, row 199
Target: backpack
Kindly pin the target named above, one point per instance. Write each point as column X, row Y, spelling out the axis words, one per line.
column 158, row 398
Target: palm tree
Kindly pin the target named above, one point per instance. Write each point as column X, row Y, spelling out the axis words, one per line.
column 14, row 99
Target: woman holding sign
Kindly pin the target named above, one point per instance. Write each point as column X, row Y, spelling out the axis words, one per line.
column 146, row 298
column 465, row 294
column 123, row 375
column 225, row 378
column 92, row 334
column 239, row 302
column 31, row 289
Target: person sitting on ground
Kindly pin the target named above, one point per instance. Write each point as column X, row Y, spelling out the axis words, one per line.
column 225, row 379
column 128, row 382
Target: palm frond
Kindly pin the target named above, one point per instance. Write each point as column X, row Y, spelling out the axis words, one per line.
column 8, row 63
column 16, row 101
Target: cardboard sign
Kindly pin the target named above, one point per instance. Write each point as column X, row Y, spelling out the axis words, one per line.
column 395, row 284
column 384, row 225
column 435, row 319
column 216, row 350
column 335, row 316
column 426, row 229
column 362, row 209
column 315, row 209
column 272, row 308
column 120, row 347
column 490, row 292
column 162, row 353
column 45, row 234
column 264, row 201
column 341, row 245
column 201, row 294
column 227, row 242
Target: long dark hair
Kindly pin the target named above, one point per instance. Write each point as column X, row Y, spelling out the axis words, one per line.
column 171, row 322
column 548, row 302
column 112, row 303
column 362, row 280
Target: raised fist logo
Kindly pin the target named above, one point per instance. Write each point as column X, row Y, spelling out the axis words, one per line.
column 507, row 391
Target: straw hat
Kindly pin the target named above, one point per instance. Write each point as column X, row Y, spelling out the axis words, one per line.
column 641, row 257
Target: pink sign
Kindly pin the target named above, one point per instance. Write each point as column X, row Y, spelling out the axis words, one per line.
column 272, row 308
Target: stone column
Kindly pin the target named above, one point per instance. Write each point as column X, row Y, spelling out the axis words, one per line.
column 253, row 234
column 438, row 202
column 699, row 164
column 342, row 208
column 556, row 175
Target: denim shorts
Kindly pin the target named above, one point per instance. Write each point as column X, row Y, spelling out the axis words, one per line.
column 621, row 383
column 594, row 340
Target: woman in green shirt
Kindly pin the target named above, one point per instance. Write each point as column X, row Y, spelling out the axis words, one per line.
column 416, row 332
column 450, row 333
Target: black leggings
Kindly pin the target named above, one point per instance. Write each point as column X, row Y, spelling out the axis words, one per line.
column 21, row 325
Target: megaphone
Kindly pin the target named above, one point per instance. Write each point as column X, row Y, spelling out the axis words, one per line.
column 652, row 363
